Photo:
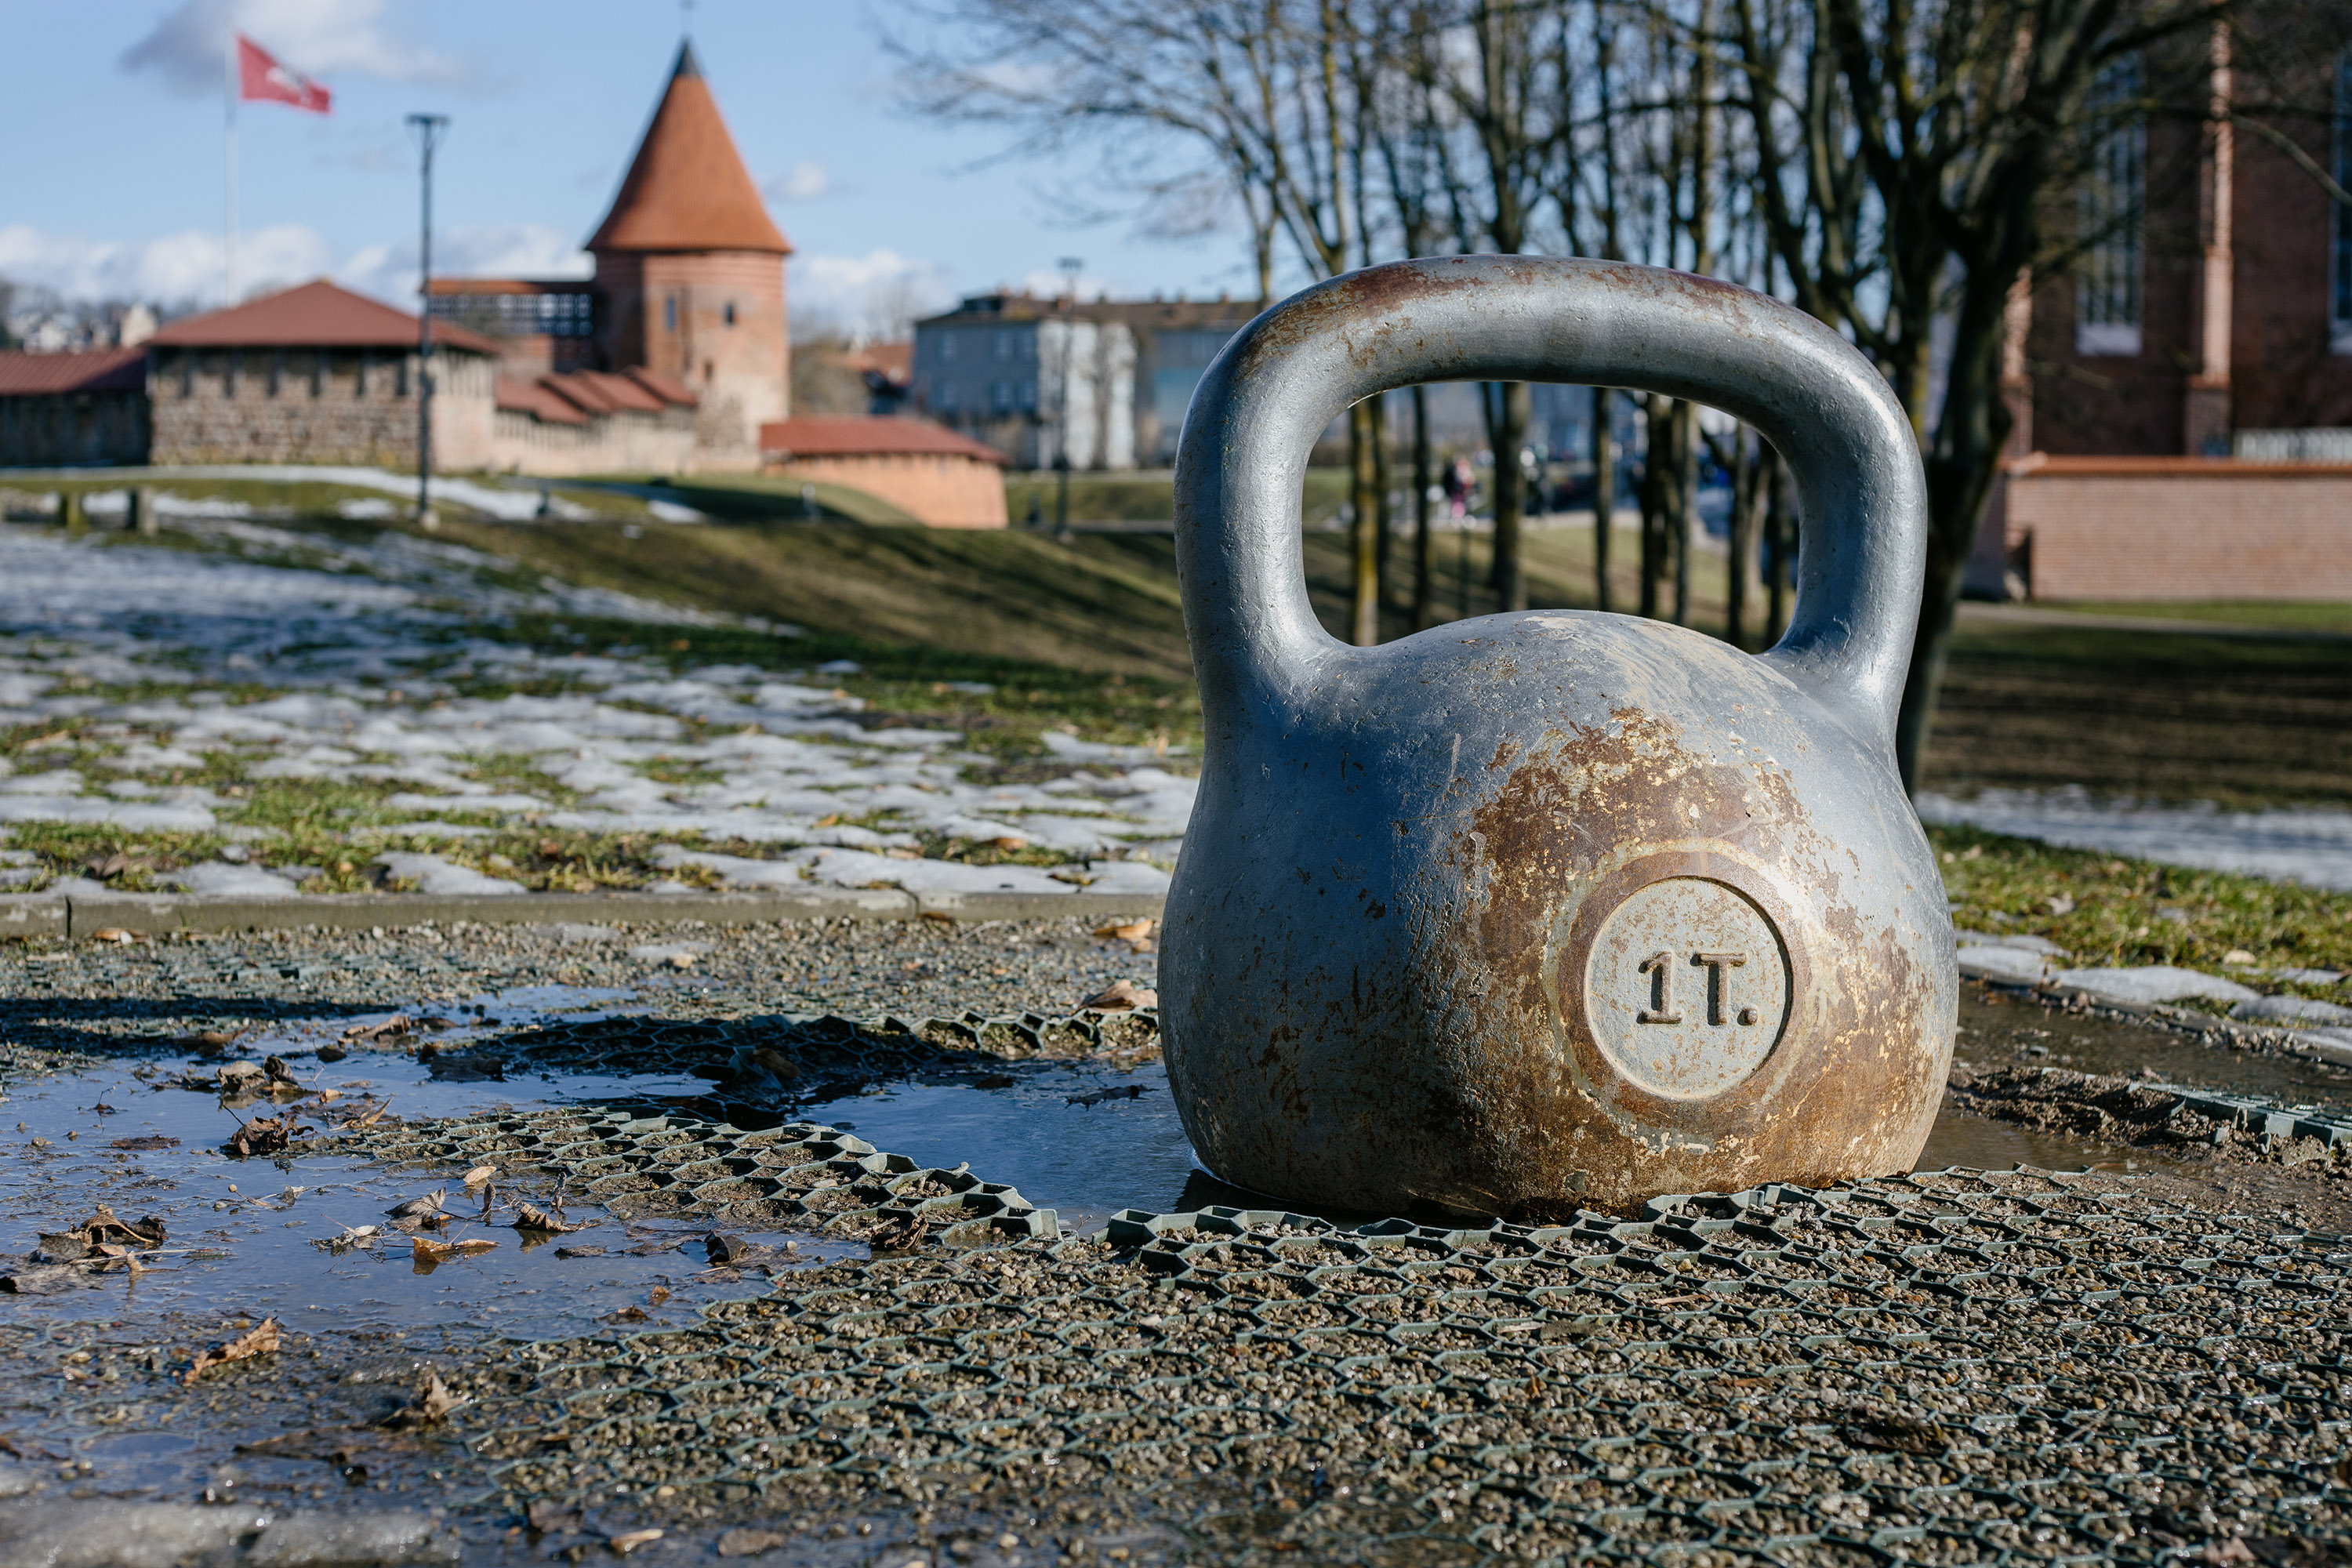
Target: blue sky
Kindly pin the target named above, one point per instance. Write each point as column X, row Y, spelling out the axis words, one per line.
column 112, row 138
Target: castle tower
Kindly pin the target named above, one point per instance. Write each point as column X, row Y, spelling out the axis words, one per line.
column 691, row 270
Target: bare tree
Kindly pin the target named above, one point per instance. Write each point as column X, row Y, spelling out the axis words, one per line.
column 1908, row 157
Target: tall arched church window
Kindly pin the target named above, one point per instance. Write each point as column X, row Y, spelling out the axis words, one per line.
column 2339, row 291
column 2109, row 277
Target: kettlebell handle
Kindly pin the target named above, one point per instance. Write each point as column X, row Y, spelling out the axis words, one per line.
column 1285, row 376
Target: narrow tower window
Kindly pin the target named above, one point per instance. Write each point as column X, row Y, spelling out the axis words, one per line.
column 729, row 312
column 669, row 313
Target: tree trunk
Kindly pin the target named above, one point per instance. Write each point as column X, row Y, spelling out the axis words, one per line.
column 1685, row 511
column 1657, row 469
column 1779, row 545
column 1381, row 532
column 1605, row 494
column 1509, row 406
column 1960, row 468
column 1743, row 537
column 1424, row 545
column 1364, row 599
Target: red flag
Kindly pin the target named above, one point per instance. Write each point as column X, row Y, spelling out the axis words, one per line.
column 261, row 79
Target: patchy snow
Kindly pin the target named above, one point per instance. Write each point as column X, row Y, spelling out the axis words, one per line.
column 2309, row 844
column 432, row 874
column 270, row 653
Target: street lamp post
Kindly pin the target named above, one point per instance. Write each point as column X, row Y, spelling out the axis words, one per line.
column 1071, row 266
column 428, row 130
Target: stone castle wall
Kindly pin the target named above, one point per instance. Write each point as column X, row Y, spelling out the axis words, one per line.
column 316, row 406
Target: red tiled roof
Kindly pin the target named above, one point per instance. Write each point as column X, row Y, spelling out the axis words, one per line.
column 895, row 362
column 670, row 389
column 457, row 287
column 316, row 315
column 95, row 369
column 687, row 189
column 529, row 397
column 600, row 392
column 868, row 436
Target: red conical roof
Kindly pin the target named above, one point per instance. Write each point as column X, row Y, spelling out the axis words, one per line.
column 688, row 188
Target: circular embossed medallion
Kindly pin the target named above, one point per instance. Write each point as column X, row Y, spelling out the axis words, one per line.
column 1687, row 987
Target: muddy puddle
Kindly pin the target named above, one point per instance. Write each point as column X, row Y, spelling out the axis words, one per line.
column 2010, row 1032
column 274, row 1235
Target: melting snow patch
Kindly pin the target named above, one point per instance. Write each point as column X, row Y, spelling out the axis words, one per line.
column 2153, row 983
column 432, row 874
column 2307, row 846
column 218, row 880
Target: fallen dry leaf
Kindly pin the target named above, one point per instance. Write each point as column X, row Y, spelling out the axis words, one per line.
column 628, row 1315
column 1103, row 1095
column 941, row 916
column 480, row 1173
column 263, row 1135
column 1125, row 931
column 434, row 1403
column 530, row 1216
column 658, row 1295
column 1121, row 997
column 749, row 1543
column 433, row 1203
column 630, row 1541
column 262, row 1341
column 117, row 934
column 391, row 1029
column 429, row 1251
column 552, row 1518
column 147, row 1141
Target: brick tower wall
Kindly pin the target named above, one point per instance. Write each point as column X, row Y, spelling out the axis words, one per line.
column 669, row 313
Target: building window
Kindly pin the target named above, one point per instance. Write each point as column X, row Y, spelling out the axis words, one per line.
column 187, row 373
column 400, row 377
column 1029, row 395
column 2114, row 192
column 948, row 398
column 359, row 376
column 232, row 362
column 729, row 312
column 669, row 313
column 1000, row 396
column 947, row 348
column 2340, row 314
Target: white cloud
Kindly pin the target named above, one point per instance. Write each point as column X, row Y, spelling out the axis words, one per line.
column 478, row 250
column 171, row 269
column 803, row 182
column 186, row 268
column 874, row 295
column 317, row 37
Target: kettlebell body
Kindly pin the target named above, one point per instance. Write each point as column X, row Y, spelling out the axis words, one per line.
column 1555, row 910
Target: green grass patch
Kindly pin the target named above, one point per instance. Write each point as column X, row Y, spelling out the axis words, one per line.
column 2323, row 615
column 2110, row 912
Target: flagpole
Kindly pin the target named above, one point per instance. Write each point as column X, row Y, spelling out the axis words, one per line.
column 228, row 61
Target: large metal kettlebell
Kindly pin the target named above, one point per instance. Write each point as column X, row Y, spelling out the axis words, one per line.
column 1557, row 910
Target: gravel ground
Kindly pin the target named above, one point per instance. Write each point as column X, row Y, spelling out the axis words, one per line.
column 855, row 968
column 1948, row 1369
